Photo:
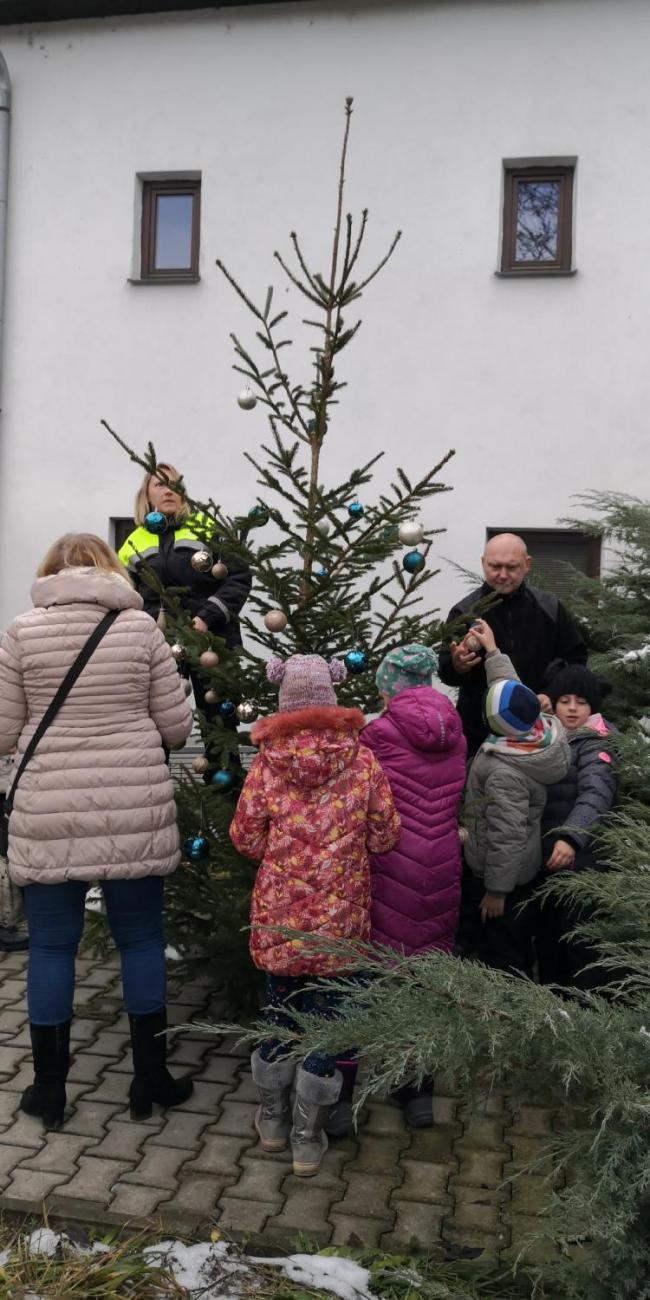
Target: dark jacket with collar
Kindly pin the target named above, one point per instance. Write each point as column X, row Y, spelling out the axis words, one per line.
column 531, row 626
column 169, row 554
column 578, row 802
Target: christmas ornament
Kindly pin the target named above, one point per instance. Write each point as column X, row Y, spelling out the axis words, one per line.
column 196, row 848
column 275, row 620
column 356, row 661
column 223, row 779
column 226, row 709
column 258, row 516
column 411, row 533
column 208, row 659
column 247, row 711
column 187, row 687
column 155, row 521
column 161, row 621
column 311, row 426
column 247, row 399
column 323, row 527
column 355, row 510
column 201, row 561
column 472, row 643
column 219, row 571
column 178, row 651
column 413, row 561
column 322, row 572
column 200, row 764
column 210, row 697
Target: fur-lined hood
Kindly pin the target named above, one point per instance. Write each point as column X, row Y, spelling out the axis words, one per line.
column 309, row 746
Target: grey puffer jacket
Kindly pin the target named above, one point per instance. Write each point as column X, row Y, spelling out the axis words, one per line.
column 96, row 800
column 506, row 794
column 578, row 802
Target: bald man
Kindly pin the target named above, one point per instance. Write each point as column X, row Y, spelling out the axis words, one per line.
column 531, row 626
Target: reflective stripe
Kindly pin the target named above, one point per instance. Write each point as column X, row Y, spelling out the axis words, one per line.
column 214, row 600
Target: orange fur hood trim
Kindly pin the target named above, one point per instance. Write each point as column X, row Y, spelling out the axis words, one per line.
column 320, row 718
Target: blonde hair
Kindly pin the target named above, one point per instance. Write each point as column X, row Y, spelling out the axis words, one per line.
column 81, row 551
column 142, row 504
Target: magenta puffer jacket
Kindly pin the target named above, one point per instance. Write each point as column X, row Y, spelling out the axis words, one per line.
column 420, row 746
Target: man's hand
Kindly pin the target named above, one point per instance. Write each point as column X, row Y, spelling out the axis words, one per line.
column 491, row 906
column 482, row 632
column 563, row 856
column 462, row 658
column 199, row 624
column 544, row 703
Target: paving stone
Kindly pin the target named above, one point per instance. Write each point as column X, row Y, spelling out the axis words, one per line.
column 87, row 1069
column 136, row 1202
column 385, row 1119
column 416, row 1227
column 111, row 1087
column 181, row 1129
column 219, row 1154
column 483, row 1133
column 259, row 1181
column 122, row 1141
column 13, row 961
column 29, row 1188
column 83, row 1030
column 304, row 1212
column 10, row 1156
column 377, row 1154
column 97, row 977
column 8, row 1106
column 244, row 1090
column 220, row 1069
column 366, row 1195
column 351, row 1230
column 184, row 1050
column 84, row 993
column 445, row 1109
column 108, row 1044
column 206, row 1099
column 478, row 1169
column 21, row 1079
column 59, row 1154
column 424, row 1182
column 532, row 1121
column 158, row 1167
column 236, row 1117
column 11, row 1058
column 120, row 1023
column 94, row 1180
column 11, row 989
column 256, row 1152
column 330, row 1175
column 24, row 1131
column 490, row 1103
column 244, row 1216
column 536, row 1252
column 530, row 1194
column 434, row 1144
column 89, row 1118
column 526, row 1151
column 12, row 1020
column 187, row 995
column 475, row 1213
column 484, row 1247
column 231, row 1046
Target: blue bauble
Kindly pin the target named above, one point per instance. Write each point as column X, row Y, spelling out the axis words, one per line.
column 222, row 779
column 226, row 709
column 155, row 521
column 356, row 661
column 258, row 516
column 355, row 510
column 413, row 561
column 322, row 572
column 196, row 848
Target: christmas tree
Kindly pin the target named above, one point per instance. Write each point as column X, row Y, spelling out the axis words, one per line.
column 586, row 1054
column 334, row 573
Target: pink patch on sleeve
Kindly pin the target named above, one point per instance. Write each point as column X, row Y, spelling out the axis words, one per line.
column 606, row 758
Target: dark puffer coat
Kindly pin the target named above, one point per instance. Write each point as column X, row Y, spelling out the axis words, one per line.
column 577, row 803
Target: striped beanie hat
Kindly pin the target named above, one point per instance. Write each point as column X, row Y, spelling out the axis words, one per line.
column 511, row 708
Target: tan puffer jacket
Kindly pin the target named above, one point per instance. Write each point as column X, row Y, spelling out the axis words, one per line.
column 96, row 800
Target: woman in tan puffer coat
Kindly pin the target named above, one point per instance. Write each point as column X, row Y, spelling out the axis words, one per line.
column 95, row 804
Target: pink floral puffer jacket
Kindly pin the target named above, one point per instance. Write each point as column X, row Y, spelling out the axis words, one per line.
column 314, row 803
column 96, row 800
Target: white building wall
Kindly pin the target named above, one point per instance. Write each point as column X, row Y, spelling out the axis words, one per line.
column 542, row 386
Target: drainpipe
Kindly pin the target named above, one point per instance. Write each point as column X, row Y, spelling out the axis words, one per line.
column 5, row 118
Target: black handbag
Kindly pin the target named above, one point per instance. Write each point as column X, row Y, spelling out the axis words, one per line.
column 50, row 713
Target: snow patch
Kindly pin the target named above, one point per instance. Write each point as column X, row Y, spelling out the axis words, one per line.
column 331, row 1273
column 200, row 1269
column 43, row 1241
column 633, row 656
column 172, row 954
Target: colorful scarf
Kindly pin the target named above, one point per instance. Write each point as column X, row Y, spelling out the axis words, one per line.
column 540, row 736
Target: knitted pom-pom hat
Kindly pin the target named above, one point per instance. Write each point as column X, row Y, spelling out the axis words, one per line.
column 511, row 708
column 306, row 681
column 404, row 667
column 575, row 679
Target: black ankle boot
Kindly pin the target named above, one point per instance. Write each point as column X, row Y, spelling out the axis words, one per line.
column 46, row 1095
column 152, row 1081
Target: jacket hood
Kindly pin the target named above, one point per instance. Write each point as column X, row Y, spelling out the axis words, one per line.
column 594, row 726
column 308, row 747
column 544, row 765
column 88, row 586
column 426, row 718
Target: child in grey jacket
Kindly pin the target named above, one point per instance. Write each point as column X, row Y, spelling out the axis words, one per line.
column 524, row 753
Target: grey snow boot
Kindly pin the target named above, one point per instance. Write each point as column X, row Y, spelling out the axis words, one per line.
column 314, row 1098
column 273, row 1080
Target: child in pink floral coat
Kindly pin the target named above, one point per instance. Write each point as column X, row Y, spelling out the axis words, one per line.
column 313, row 805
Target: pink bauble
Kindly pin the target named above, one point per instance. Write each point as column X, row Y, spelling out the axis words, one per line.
column 208, row 659
column 219, row 571
column 210, row 697
column 275, row 620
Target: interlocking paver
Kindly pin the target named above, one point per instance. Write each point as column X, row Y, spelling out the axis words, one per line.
column 331, row 1175
column 384, row 1119
column 483, row 1132
column 182, row 1128
column 59, row 1154
column 83, row 1030
column 132, row 1201
column 10, row 1156
column 351, row 1230
column 236, row 1117
column 479, row 1169
column 532, row 1121
column 94, row 1180
column 219, row 1154
column 526, row 1150
column 29, row 1188
column 434, row 1144
column 243, row 1216
column 88, row 1069
column 244, row 1089
column 196, row 1198
column 107, row 1044
column 19, row 1080
column 12, row 1020
column 302, row 1213
column 12, row 989
column 11, row 1057
column 206, row 1098
column 530, row 1194
column 260, row 1181
column 187, row 1051
column 219, row 1069
column 417, row 1227
column 110, row 1087
column 424, row 1182
column 24, row 1131
column 477, row 1209
column 365, row 1195
column 158, row 1167
column 122, row 1140
column 90, row 1118
column 8, row 1106
column 471, row 1243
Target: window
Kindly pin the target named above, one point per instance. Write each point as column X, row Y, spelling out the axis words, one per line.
column 552, row 550
column 170, row 230
column 537, row 219
column 120, row 529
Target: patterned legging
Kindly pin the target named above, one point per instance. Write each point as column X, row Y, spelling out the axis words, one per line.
column 302, row 993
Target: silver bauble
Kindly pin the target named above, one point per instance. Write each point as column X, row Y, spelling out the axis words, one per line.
column 210, row 697
column 323, row 527
column 200, row 764
column 201, row 561
column 161, row 620
column 410, row 533
column 246, row 399
column 472, row 643
column 208, row 659
column 178, row 651
column 275, row 620
column 219, row 571
column 247, row 711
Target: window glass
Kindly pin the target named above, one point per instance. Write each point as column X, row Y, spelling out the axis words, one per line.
column 538, row 204
column 173, row 232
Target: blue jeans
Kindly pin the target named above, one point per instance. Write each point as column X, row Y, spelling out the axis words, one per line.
column 55, row 919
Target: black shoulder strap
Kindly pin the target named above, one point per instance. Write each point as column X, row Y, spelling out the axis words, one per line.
column 64, row 689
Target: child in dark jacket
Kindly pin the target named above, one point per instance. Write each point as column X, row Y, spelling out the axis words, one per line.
column 575, row 806
column 525, row 753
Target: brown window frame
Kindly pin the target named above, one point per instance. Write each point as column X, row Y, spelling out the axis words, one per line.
column 593, row 542
column 150, row 192
column 550, row 172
